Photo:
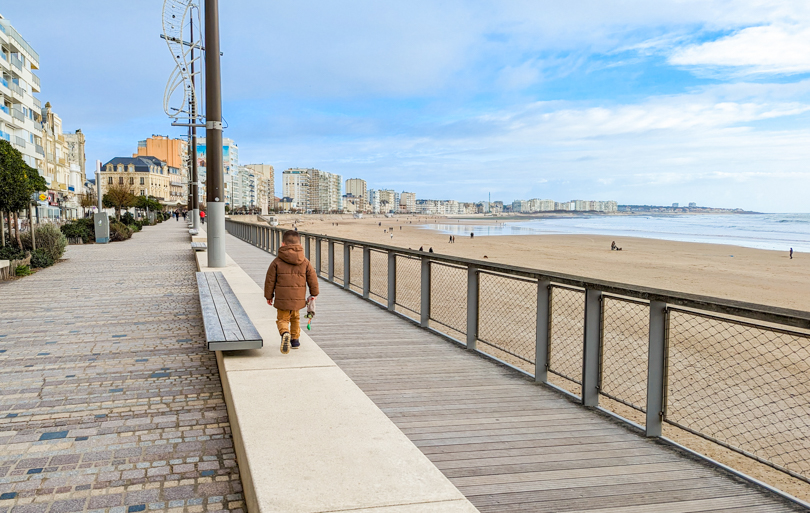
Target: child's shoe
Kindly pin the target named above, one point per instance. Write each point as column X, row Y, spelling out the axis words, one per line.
column 285, row 343
column 295, row 343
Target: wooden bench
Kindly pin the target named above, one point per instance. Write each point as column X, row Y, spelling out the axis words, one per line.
column 199, row 246
column 227, row 325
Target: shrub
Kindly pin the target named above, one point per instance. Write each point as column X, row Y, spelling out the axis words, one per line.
column 79, row 229
column 134, row 227
column 22, row 270
column 11, row 253
column 49, row 238
column 40, row 258
column 127, row 218
column 119, row 232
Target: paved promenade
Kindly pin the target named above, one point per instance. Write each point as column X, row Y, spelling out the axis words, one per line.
column 506, row 443
column 110, row 401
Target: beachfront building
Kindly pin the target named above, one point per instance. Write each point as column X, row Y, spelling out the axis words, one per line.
column 20, row 111
column 407, row 202
column 325, row 191
column 357, row 191
column 264, row 176
column 174, row 152
column 389, row 200
column 295, row 187
column 230, row 165
column 142, row 175
column 77, row 160
column 520, row 206
column 374, row 201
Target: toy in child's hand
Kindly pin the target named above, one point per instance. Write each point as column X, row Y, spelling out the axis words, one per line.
column 310, row 312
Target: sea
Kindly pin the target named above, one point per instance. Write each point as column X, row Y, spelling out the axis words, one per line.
column 778, row 232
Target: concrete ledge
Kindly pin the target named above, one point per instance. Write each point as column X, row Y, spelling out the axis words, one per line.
column 308, row 439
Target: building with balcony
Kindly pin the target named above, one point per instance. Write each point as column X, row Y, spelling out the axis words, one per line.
column 295, row 187
column 174, row 152
column 230, row 165
column 357, row 193
column 264, row 178
column 20, row 112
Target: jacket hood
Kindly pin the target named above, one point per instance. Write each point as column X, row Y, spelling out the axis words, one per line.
column 293, row 254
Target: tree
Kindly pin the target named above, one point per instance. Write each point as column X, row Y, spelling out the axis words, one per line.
column 118, row 196
column 148, row 202
column 18, row 181
column 88, row 200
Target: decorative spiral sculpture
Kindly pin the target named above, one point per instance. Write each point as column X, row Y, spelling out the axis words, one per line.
column 181, row 99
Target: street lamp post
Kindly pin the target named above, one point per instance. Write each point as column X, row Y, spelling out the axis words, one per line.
column 215, row 193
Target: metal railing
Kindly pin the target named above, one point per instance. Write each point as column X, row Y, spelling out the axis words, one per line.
column 19, row 141
column 35, row 80
column 730, row 372
column 16, row 89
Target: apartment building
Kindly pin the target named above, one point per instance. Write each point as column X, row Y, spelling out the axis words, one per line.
column 325, row 191
column 295, row 186
column 144, row 175
column 407, row 202
column 374, row 201
column 357, row 193
column 264, row 177
column 174, row 152
column 20, row 111
column 389, row 200
column 230, row 165
column 77, row 160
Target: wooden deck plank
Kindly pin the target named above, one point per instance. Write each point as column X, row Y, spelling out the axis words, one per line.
column 213, row 329
column 229, row 326
column 246, row 328
column 505, row 442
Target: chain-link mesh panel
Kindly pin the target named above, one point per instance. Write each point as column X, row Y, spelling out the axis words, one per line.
column 379, row 276
column 409, row 286
column 356, row 268
column 448, row 299
column 625, row 346
column 324, row 258
column 567, row 333
column 742, row 385
column 507, row 318
column 338, row 263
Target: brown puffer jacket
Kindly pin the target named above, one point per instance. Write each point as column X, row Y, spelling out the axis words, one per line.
column 287, row 279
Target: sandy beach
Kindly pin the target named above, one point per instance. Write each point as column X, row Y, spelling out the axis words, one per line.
column 717, row 371
column 743, row 274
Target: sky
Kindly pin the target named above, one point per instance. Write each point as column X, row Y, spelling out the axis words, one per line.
column 636, row 101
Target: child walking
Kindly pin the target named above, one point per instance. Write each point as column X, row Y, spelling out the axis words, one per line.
column 286, row 284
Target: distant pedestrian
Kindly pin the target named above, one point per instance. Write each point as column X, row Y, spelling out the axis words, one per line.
column 184, row 214
column 472, row 235
column 451, row 240
column 421, row 248
column 791, row 253
column 202, row 216
column 430, row 250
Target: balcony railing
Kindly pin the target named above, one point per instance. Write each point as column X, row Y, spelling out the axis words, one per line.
column 11, row 31
column 40, row 150
column 19, row 141
column 16, row 89
column 17, row 113
column 37, row 104
column 732, row 373
column 16, row 62
column 35, row 80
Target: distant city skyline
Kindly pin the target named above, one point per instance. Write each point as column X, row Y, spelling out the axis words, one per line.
column 705, row 101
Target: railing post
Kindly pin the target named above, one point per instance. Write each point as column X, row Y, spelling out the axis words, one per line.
column 318, row 256
column 425, row 302
column 472, row 308
column 392, row 281
column 306, row 248
column 366, row 272
column 347, row 267
column 542, row 334
column 656, row 368
column 590, row 352
column 264, row 238
column 330, row 261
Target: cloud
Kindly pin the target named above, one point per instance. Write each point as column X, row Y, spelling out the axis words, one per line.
column 777, row 48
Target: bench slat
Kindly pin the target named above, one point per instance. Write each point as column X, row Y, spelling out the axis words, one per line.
column 213, row 328
column 229, row 326
column 249, row 331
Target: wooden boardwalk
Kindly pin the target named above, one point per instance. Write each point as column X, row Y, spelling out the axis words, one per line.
column 506, row 443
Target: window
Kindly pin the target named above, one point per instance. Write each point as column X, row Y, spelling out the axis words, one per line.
column 120, row 180
column 109, row 180
column 131, row 181
column 141, row 183
column 143, row 192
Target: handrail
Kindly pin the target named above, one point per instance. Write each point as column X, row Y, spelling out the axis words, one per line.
column 766, row 313
column 662, row 354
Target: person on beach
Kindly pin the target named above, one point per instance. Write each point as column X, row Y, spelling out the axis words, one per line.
column 472, row 235
column 430, row 250
column 451, row 240
column 791, row 253
column 286, row 284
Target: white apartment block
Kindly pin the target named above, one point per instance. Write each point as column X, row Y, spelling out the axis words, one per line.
column 325, row 191
column 357, row 193
column 264, row 176
column 389, row 200
column 295, row 185
column 230, row 166
column 374, row 201
column 20, row 111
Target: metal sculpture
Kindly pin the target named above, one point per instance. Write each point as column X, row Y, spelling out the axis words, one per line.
column 181, row 99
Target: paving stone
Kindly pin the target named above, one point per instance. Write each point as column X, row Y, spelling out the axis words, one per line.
column 126, row 390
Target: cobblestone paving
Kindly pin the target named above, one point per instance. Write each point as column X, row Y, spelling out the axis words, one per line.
column 109, row 401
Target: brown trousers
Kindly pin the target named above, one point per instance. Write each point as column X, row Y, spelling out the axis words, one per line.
column 289, row 320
